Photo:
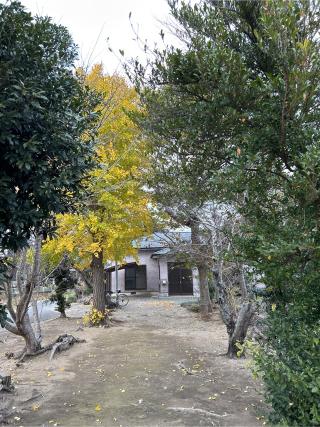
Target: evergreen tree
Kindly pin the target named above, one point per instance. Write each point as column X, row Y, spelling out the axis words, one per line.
column 239, row 103
column 64, row 280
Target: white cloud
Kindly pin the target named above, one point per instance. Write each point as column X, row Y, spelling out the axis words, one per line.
column 87, row 19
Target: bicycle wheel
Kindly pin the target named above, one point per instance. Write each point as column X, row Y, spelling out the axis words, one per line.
column 123, row 300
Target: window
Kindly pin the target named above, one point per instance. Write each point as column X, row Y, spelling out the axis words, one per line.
column 135, row 277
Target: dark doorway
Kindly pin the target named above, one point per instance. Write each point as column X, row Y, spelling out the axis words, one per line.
column 180, row 279
column 135, row 277
column 108, row 281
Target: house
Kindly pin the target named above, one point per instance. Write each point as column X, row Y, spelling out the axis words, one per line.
column 158, row 269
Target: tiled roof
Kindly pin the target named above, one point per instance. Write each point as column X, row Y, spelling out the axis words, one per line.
column 160, row 240
column 161, row 252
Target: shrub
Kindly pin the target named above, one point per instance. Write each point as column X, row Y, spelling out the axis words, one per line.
column 94, row 317
column 289, row 364
column 3, row 315
column 191, row 306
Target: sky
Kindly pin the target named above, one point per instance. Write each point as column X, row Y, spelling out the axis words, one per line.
column 92, row 22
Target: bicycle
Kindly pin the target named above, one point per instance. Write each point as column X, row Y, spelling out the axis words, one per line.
column 117, row 299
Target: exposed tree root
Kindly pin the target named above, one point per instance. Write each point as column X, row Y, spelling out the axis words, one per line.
column 62, row 343
column 197, row 411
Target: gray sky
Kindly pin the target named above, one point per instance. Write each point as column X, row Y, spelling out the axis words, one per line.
column 85, row 19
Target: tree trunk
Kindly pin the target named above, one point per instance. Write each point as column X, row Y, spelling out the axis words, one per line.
column 10, row 327
column 241, row 328
column 25, row 330
column 32, row 344
column 20, row 316
column 21, row 270
column 36, row 321
column 203, row 270
column 237, row 324
column 205, row 303
column 243, row 284
column 36, row 274
column 99, row 292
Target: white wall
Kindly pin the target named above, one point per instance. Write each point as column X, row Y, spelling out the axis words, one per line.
column 157, row 274
column 164, row 283
column 152, row 270
column 195, row 278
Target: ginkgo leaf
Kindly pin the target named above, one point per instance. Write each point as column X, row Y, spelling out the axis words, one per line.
column 117, row 211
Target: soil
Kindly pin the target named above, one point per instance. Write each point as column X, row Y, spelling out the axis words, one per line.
column 160, row 365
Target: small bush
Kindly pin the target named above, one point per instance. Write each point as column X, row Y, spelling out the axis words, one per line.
column 191, row 306
column 289, row 364
column 94, row 317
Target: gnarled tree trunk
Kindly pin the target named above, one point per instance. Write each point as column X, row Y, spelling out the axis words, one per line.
column 20, row 316
column 98, row 284
column 237, row 322
column 203, row 270
column 205, row 302
column 36, row 321
column 32, row 343
column 240, row 328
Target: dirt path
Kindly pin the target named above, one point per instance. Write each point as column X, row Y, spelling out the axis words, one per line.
column 160, row 366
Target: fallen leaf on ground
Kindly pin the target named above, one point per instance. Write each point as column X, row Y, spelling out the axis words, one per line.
column 98, row 408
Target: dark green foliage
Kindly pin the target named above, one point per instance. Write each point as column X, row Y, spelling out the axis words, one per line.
column 290, row 367
column 44, row 111
column 240, row 104
column 4, row 276
column 212, row 290
column 4, row 316
column 64, row 281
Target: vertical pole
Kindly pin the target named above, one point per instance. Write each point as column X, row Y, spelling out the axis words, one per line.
column 117, row 280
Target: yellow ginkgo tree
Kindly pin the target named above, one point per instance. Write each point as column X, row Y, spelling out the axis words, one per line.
column 115, row 211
